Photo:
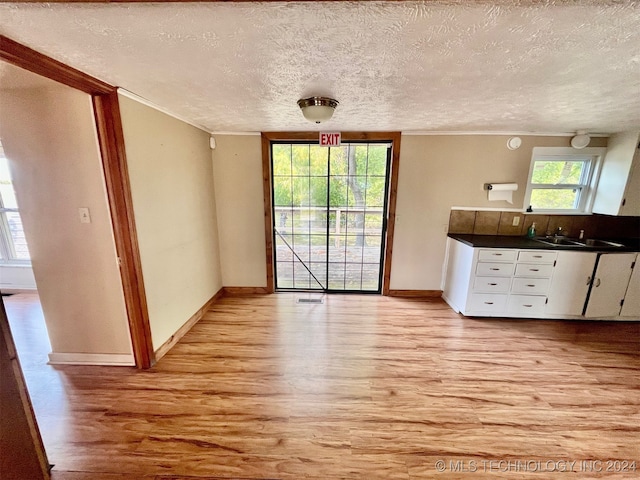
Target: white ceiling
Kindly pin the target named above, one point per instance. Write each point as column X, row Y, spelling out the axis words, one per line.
column 526, row 66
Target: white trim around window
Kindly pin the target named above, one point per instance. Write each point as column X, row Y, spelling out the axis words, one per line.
column 586, row 186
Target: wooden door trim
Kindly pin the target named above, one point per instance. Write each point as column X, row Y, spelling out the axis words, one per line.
column 114, row 161
column 393, row 137
column 114, row 164
column 268, row 211
column 29, row 59
column 391, row 211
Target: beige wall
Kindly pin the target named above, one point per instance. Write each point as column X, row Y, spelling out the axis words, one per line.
column 50, row 139
column 436, row 173
column 237, row 166
column 174, row 205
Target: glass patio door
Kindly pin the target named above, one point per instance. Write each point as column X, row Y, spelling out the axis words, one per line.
column 329, row 211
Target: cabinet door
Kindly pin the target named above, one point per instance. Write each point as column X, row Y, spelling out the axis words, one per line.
column 631, row 201
column 570, row 283
column 610, row 284
column 631, row 307
column 615, row 183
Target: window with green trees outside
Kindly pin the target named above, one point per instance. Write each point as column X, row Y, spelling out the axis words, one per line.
column 560, row 183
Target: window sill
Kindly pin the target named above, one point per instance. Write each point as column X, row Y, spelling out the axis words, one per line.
column 21, row 264
column 557, row 212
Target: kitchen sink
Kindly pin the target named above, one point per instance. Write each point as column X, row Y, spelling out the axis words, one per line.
column 569, row 242
column 592, row 242
column 560, row 241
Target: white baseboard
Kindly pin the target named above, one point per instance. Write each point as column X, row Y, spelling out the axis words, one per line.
column 109, row 359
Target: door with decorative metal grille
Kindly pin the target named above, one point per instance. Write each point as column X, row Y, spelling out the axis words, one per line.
column 329, row 212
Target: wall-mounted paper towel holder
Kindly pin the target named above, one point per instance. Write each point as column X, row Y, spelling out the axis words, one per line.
column 501, row 191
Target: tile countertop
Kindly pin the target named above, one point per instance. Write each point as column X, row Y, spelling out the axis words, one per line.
column 510, row 241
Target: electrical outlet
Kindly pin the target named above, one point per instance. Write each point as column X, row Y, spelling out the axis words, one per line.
column 85, row 217
column 516, row 221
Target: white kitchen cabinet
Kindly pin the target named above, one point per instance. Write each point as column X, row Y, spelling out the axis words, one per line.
column 570, row 284
column 618, row 189
column 497, row 282
column 631, row 306
column 610, row 283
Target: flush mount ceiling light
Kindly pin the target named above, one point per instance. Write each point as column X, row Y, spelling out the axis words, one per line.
column 317, row 109
column 581, row 140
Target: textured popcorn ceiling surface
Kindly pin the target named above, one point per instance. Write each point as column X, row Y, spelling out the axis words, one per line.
column 553, row 66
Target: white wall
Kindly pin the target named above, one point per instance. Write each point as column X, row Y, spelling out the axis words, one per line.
column 237, row 166
column 172, row 187
column 49, row 137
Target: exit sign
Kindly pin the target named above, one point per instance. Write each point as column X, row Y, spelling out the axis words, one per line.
column 330, row 139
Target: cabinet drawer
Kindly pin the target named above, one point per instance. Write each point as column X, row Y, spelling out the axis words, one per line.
column 526, row 304
column 537, row 256
column 492, row 284
column 532, row 270
column 534, row 286
column 488, row 302
column 497, row 255
column 494, row 269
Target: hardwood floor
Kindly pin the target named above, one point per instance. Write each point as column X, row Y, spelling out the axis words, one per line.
column 360, row 387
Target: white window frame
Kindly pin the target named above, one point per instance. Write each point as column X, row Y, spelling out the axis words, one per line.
column 593, row 156
column 7, row 247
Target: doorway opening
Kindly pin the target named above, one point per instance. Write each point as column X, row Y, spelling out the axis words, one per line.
column 329, row 211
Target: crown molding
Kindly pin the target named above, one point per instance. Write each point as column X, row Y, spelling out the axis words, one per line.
column 505, row 133
column 150, row 104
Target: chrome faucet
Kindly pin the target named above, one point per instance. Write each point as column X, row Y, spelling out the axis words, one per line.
column 559, row 232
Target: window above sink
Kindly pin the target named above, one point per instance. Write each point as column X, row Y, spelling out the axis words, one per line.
column 562, row 180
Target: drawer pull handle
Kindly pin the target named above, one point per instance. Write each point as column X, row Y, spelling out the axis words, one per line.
column 537, row 256
column 534, row 269
column 488, row 303
column 498, row 254
column 493, row 284
column 495, row 269
column 588, row 280
column 528, row 306
column 597, row 282
column 530, row 285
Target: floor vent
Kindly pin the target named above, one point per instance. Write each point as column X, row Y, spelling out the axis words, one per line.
column 310, row 300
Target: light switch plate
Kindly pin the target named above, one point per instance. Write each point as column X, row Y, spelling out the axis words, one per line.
column 85, row 217
column 516, row 221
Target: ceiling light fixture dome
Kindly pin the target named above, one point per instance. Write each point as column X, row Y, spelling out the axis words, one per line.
column 581, row 140
column 317, row 109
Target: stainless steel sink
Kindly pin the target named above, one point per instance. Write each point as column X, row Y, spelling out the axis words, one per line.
column 560, row 241
column 569, row 242
column 593, row 242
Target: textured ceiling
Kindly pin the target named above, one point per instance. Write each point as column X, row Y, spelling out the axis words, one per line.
column 411, row 66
